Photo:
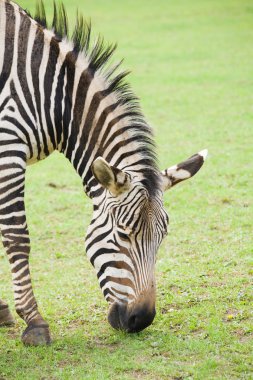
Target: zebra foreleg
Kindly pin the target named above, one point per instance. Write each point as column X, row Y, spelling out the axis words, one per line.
column 16, row 241
column 6, row 318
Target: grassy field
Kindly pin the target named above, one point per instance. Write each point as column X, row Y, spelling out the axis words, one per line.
column 191, row 65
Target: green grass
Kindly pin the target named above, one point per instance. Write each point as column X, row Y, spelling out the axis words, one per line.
column 192, row 69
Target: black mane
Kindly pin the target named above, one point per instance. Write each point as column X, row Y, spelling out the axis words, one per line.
column 99, row 55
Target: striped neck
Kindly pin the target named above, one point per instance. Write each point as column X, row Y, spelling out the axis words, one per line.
column 99, row 120
column 81, row 107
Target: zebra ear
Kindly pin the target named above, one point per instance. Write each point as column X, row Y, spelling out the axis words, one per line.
column 183, row 171
column 110, row 177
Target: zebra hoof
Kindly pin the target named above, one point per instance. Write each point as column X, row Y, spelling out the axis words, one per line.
column 36, row 335
column 6, row 319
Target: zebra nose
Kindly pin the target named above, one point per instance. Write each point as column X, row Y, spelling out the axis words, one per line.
column 132, row 319
column 140, row 317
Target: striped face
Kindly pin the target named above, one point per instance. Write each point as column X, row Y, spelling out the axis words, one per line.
column 127, row 228
column 122, row 243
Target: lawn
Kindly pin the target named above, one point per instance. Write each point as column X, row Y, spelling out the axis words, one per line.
column 191, row 64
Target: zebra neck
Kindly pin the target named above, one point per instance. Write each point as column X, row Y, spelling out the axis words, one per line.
column 99, row 123
column 71, row 101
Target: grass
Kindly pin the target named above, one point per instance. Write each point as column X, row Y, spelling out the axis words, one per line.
column 192, row 69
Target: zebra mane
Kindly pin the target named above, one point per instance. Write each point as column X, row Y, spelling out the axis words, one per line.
column 98, row 55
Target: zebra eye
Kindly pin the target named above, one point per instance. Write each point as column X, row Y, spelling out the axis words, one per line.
column 124, row 230
column 120, row 227
column 123, row 236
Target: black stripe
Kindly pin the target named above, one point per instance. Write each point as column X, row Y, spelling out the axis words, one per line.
column 58, row 114
column 19, row 255
column 19, row 266
column 127, row 295
column 102, row 251
column 13, row 153
column 82, row 89
column 14, row 207
column 13, row 220
column 2, row 106
column 70, row 66
column 106, row 292
column 9, row 44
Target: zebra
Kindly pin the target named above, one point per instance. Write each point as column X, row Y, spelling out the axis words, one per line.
column 58, row 92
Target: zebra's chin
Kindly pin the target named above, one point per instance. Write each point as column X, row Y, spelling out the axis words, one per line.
column 131, row 319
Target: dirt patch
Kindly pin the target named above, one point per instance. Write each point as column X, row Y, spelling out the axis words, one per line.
column 170, row 308
column 142, row 374
column 244, row 336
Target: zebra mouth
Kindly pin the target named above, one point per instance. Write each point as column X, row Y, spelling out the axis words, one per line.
column 117, row 316
column 134, row 320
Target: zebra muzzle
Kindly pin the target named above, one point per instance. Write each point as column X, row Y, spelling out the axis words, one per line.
column 133, row 318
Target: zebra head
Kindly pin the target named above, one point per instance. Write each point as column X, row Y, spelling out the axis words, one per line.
column 123, row 238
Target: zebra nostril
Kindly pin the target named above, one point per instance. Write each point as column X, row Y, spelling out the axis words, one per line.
column 141, row 318
column 132, row 322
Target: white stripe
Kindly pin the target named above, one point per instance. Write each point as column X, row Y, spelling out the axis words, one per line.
column 42, row 71
column 6, row 229
column 15, row 214
column 119, row 287
column 29, row 58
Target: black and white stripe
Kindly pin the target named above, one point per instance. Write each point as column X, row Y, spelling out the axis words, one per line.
column 122, row 242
